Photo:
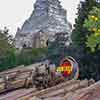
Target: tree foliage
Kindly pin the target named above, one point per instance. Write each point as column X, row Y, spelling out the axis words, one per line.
column 7, row 52
column 9, row 57
column 92, row 23
column 88, row 61
column 80, row 32
column 31, row 55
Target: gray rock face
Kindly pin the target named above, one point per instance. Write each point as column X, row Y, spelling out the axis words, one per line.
column 47, row 19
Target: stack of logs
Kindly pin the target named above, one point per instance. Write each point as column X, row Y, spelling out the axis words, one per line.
column 66, row 90
column 22, row 77
column 16, row 78
column 69, row 90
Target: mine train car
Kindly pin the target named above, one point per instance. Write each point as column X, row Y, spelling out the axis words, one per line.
column 70, row 68
column 40, row 76
column 51, row 75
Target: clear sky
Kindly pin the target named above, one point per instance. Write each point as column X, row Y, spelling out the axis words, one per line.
column 13, row 13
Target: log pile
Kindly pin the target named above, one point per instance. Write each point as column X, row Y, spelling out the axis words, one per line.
column 66, row 90
column 16, row 78
column 57, row 91
column 22, row 77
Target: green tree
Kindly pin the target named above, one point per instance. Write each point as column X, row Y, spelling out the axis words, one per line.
column 93, row 25
column 7, row 51
column 88, row 61
column 79, row 33
column 31, row 55
column 9, row 58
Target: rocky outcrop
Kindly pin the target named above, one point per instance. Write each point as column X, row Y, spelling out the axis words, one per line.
column 47, row 19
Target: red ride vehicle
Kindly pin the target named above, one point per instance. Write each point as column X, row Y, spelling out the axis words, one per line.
column 69, row 68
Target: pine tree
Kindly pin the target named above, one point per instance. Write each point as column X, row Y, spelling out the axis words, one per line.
column 4, row 41
column 7, row 54
column 79, row 33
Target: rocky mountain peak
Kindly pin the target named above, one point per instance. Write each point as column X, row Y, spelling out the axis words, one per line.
column 48, row 16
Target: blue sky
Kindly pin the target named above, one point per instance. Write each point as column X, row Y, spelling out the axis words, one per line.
column 13, row 13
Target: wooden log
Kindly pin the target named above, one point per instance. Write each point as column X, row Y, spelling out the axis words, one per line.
column 89, row 93
column 40, row 93
column 48, row 90
column 10, row 82
column 35, row 98
column 53, row 98
column 72, row 90
column 66, row 89
column 27, row 95
column 16, row 75
column 20, row 68
column 12, row 85
column 17, row 93
column 11, row 70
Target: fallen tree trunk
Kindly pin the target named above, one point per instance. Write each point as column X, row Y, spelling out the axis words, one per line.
column 19, row 68
column 11, row 70
column 66, row 89
column 69, row 90
column 89, row 93
column 42, row 92
column 16, row 80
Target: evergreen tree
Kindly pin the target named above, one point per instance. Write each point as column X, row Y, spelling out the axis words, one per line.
column 87, row 60
column 7, row 54
column 79, row 33
column 29, row 56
